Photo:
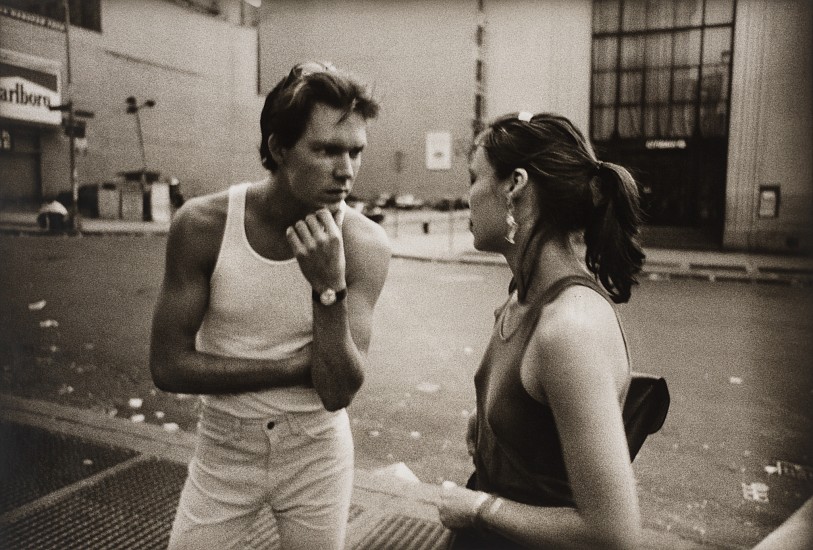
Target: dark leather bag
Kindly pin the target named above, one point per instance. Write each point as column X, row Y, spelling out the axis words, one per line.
column 645, row 409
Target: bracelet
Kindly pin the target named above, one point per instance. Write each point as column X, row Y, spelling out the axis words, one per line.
column 494, row 504
column 479, row 505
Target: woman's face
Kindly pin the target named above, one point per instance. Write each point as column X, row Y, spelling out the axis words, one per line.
column 488, row 203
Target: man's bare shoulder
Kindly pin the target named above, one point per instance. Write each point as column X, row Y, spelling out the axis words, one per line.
column 203, row 214
column 197, row 227
column 363, row 236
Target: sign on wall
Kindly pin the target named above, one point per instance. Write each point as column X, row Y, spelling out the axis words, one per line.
column 438, row 151
column 28, row 86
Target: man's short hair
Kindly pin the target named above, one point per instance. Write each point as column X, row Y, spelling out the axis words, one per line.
column 289, row 105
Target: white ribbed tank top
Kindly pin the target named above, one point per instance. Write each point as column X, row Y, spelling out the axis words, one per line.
column 258, row 309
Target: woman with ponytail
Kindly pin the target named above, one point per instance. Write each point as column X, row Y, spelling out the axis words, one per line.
column 552, row 465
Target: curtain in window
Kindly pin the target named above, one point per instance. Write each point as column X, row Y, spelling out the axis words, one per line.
column 605, row 55
column 659, row 69
column 658, row 85
column 714, row 87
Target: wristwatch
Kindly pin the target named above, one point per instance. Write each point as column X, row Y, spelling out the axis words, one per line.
column 328, row 297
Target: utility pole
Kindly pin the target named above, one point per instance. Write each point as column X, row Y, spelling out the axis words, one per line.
column 133, row 108
column 72, row 126
column 76, row 222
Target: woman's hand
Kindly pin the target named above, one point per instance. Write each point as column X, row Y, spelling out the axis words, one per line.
column 459, row 507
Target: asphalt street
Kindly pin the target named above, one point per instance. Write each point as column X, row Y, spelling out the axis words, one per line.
column 75, row 326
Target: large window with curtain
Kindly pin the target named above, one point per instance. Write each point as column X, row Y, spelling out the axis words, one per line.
column 660, row 104
column 661, row 68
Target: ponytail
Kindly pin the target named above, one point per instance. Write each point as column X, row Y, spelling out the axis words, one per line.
column 611, row 233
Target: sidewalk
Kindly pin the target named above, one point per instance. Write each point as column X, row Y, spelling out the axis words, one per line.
column 131, row 475
column 449, row 240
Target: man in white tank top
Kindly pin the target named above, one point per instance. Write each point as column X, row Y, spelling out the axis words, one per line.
column 265, row 311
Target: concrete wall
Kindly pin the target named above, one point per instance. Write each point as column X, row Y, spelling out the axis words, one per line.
column 771, row 135
column 537, row 58
column 201, row 71
column 420, row 58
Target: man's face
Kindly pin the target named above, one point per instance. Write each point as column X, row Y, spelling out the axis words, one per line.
column 321, row 167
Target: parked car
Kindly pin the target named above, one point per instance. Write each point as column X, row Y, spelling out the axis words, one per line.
column 408, row 202
column 451, row 203
column 372, row 211
column 385, row 200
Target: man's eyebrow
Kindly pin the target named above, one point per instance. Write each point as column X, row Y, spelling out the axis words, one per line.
column 340, row 144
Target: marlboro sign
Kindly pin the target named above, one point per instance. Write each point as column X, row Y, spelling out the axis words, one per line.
column 28, row 87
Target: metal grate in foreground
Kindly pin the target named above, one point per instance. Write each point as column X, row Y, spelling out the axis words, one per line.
column 401, row 532
column 35, row 462
column 131, row 509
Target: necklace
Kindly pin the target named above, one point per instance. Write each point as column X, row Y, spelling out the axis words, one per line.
column 511, row 316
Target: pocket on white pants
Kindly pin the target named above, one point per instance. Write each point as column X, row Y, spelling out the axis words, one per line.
column 322, row 426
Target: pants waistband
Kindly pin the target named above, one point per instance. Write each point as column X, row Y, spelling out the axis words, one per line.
column 276, row 417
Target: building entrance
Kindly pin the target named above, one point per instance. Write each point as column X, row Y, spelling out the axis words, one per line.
column 660, row 103
column 19, row 168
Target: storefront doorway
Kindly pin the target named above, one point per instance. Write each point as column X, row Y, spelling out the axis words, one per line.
column 20, row 179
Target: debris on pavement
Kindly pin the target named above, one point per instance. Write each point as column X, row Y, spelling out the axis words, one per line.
column 159, row 415
column 137, row 418
column 49, row 323
column 65, row 389
column 36, row 306
column 415, row 435
column 736, row 380
column 135, row 402
column 374, row 433
column 427, row 387
column 756, row 492
column 171, row 427
column 87, row 462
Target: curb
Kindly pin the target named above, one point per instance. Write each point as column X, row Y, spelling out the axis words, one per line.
column 661, row 272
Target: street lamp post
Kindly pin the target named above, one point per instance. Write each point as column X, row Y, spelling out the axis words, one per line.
column 133, row 107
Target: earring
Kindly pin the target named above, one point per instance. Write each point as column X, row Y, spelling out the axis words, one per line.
column 512, row 223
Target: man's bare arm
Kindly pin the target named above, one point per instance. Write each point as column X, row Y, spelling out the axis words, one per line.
column 176, row 366
column 341, row 332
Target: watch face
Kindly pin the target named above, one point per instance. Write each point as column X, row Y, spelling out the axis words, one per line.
column 328, row 297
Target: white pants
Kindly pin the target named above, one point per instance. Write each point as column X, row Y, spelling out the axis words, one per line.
column 299, row 463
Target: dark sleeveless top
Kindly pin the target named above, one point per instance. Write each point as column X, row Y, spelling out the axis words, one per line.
column 519, row 454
